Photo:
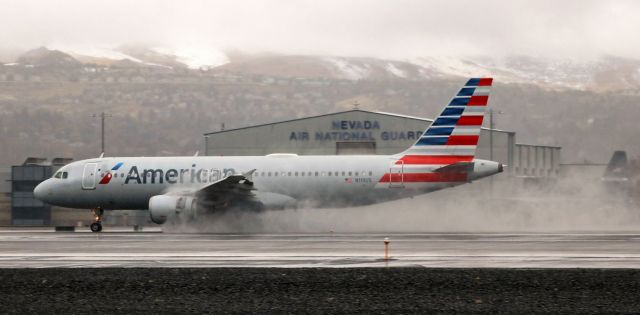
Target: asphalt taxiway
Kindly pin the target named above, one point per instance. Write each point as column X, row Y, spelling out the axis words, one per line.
column 20, row 249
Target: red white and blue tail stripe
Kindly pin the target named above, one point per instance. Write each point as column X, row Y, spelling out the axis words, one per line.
column 446, row 150
column 453, row 136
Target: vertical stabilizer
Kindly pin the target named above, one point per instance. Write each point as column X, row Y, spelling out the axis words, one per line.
column 453, row 136
column 618, row 167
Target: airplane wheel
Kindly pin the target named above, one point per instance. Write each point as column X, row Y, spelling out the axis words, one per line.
column 96, row 227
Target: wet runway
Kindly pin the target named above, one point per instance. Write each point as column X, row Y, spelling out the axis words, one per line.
column 54, row 249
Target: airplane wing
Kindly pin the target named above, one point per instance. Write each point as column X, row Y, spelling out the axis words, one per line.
column 229, row 190
column 237, row 183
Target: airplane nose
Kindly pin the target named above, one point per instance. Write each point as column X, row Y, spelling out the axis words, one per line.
column 39, row 192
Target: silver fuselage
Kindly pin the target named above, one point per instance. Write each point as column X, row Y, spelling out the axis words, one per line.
column 278, row 178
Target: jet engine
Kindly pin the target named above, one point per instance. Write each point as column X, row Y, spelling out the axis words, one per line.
column 163, row 207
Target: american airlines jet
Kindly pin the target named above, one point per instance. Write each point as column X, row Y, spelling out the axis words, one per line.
column 184, row 186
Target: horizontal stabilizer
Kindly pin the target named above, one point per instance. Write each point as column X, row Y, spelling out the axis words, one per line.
column 456, row 168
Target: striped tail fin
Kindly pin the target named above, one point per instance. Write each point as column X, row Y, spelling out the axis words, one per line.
column 453, row 136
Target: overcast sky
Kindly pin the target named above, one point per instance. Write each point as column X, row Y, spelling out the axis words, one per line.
column 396, row 29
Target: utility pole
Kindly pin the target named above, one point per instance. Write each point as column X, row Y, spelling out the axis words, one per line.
column 206, row 145
column 491, row 126
column 490, row 134
column 102, row 116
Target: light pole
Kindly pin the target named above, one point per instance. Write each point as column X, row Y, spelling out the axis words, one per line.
column 102, row 116
column 491, row 146
column 206, row 145
column 491, row 132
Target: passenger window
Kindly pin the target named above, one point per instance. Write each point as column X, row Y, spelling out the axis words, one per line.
column 370, row 173
column 316, row 173
column 262, row 173
column 329, row 174
column 323, row 174
column 302, row 174
column 309, row 174
column 349, row 173
column 296, row 173
column 356, row 173
column 269, row 174
column 283, row 173
column 275, row 173
column 289, row 174
column 342, row 173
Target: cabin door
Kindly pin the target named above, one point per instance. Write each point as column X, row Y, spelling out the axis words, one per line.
column 396, row 175
column 89, row 176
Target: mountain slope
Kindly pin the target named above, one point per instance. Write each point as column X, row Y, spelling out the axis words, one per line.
column 43, row 57
column 607, row 73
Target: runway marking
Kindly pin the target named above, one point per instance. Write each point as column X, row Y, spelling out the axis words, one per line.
column 459, row 250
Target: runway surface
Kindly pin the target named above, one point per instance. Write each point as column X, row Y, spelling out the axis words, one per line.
column 55, row 249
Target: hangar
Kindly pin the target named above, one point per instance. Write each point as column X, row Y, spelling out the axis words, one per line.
column 360, row 131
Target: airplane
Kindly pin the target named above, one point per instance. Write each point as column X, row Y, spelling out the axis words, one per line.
column 444, row 156
column 621, row 178
column 617, row 171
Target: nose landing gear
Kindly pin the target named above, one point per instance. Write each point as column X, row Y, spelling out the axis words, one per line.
column 96, row 226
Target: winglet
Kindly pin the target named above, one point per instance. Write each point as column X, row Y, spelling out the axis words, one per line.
column 197, row 152
column 249, row 175
column 101, row 155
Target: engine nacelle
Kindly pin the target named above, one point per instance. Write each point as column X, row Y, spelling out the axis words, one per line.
column 163, row 207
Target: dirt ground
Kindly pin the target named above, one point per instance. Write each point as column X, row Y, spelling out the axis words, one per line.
column 310, row 290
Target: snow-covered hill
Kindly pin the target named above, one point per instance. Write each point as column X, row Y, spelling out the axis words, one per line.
column 146, row 56
column 604, row 74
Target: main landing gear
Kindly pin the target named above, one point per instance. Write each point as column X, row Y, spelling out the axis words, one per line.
column 96, row 226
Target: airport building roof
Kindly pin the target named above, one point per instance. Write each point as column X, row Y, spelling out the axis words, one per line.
column 336, row 114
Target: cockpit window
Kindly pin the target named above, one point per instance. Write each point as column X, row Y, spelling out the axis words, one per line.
column 61, row 175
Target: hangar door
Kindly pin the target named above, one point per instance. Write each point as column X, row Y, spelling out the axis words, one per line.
column 355, row 148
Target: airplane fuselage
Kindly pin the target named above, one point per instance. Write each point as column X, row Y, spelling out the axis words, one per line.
column 278, row 180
